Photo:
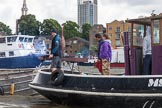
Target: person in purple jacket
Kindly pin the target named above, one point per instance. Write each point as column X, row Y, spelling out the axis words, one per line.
column 105, row 54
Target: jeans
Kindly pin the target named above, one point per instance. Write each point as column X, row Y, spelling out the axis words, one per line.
column 147, row 65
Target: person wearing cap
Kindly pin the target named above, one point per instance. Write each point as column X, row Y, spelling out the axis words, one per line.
column 56, row 51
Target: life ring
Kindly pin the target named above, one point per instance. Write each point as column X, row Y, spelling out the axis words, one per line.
column 31, row 46
column 56, row 78
column 19, row 45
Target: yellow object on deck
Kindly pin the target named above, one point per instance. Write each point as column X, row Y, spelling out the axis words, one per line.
column 12, row 88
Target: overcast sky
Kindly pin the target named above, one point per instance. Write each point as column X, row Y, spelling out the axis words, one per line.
column 65, row 10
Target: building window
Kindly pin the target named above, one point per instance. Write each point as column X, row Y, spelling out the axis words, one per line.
column 110, row 34
column 129, row 29
column 118, row 43
column 117, row 29
column 110, row 28
column 118, row 36
column 2, row 54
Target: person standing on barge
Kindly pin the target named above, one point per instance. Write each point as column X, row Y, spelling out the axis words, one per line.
column 56, row 52
column 147, row 53
column 105, row 54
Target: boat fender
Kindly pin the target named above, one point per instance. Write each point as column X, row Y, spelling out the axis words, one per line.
column 1, row 90
column 31, row 46
column 57, row 77
column 19, row 45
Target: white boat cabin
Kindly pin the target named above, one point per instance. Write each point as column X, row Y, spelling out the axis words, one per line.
column 16, row 45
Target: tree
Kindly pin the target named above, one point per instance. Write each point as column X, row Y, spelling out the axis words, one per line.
column 48, row 25
column 5, row 29
column 29, row 25
column 71, row 30
column 85, row 31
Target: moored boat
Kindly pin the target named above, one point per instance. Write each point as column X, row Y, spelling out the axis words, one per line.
column 99, row 89
column 77, row 88
column 17, row 51
column 116, row 62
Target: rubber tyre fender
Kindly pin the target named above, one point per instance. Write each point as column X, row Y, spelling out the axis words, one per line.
column 57, row 78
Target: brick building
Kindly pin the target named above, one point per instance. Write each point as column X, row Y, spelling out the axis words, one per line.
column 77, row 45
column 97, row 28
column 115, row 29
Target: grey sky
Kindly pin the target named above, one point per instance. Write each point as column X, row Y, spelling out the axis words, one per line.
column 64, row 10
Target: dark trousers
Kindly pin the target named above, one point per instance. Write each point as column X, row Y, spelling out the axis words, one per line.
column 147, row 65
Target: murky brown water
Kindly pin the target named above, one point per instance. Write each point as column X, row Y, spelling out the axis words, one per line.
column 15, row 101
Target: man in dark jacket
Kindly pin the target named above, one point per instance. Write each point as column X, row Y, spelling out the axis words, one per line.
column 99, row 62
column 100, row 40
column 56, row 51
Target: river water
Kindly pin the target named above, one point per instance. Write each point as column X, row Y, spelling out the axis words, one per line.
column 38, row 101
column 19, row 101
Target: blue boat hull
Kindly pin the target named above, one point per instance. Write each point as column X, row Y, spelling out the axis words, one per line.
column 30, row 61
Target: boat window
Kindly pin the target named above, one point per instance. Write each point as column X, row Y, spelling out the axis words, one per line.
column 2, row 54
column 138, row 34
column 11, row 39
column 156, row 32
column 26, row 40
column 21, row 39
column 30, row 39
column 3, row 40
column 11, row 53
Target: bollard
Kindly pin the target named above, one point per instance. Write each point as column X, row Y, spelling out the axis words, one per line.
column 12, row 88
column 1, row 90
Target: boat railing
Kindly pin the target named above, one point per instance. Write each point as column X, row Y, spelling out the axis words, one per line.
column 72, row 60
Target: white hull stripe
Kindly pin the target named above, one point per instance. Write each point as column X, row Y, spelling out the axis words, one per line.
column 97, row 93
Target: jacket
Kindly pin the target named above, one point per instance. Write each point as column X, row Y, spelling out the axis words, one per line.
column 56, row 46
column 99, row 45
column 147, row 43
column 105, row 51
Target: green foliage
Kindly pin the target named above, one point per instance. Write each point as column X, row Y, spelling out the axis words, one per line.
column 93, row 48
column 28, row 25
column 5, row 29
column 48, row 25
column 85, row 31
column 71, row 30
